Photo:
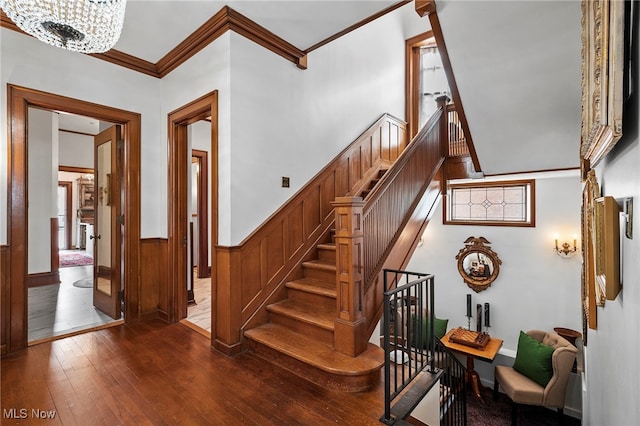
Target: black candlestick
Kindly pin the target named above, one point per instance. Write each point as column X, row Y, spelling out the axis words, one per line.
column 487, row 321
column 469, row 305
column 479, row 318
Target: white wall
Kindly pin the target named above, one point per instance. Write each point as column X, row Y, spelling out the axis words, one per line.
column 285, row 121
column 30, row 63
column 536, row 288
column 288, row 122
column 205, row 72
column 75, row 150
column 42, row 188
column 612, row 375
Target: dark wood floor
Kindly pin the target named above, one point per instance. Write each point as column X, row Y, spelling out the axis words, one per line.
column 166, row 374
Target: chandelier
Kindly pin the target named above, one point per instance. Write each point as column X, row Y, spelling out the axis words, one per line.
column 86, row 26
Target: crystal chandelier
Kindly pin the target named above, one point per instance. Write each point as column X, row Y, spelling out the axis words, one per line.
column 86, row 26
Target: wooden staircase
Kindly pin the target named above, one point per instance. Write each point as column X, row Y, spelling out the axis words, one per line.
column 300, row 333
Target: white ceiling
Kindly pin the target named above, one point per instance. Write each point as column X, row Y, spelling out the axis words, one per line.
column 153, row 27
column 518, row 69
column 516, row 63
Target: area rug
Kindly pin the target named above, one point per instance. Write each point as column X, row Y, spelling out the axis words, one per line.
column 72, row 258
column 498, row 413
column 84, row 283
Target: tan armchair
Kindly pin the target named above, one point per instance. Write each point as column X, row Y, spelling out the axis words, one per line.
column 522, row 390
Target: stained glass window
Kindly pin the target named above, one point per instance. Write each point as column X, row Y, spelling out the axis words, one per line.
column 495, row 203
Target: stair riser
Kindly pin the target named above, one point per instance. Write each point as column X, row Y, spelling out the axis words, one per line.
column 327, row 256
column 319, row 274
column 344, row 383
column 312, row 298
column 320, row 334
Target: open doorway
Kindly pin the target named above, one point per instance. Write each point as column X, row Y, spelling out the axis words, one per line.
column 21, row 101
column 193, row 213
column 66, row 186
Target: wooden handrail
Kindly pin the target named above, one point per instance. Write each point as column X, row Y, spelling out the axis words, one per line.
column 366, row 234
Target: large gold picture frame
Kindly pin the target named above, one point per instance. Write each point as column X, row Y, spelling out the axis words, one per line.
column 589, row 294
column 602, row 78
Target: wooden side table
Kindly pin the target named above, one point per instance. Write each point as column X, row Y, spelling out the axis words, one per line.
column 487, row 354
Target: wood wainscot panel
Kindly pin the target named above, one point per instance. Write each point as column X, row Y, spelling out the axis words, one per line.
column 252, row 274
column 5, row 301
column 153, row 278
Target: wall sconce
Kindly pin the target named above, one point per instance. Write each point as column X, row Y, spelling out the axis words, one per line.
column 565, row 250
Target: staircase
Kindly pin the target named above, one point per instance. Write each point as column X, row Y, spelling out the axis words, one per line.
column 300, row 333
column 305, row 289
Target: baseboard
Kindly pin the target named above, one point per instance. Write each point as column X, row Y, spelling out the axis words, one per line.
column 150, row 315
column 43, row 278
column 229, row 350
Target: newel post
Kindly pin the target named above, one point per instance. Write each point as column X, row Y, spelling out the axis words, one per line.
column 350, row 324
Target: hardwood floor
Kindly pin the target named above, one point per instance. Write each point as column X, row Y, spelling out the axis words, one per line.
column 59, row 309
column 155, row 373
column 200, row 313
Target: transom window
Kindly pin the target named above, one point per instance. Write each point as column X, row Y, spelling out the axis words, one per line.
column 491, row 203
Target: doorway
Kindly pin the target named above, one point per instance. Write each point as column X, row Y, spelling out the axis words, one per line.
column 193, row 126
column 21, row 100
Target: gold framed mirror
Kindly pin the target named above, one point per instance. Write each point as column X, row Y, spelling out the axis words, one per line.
column 478, row 265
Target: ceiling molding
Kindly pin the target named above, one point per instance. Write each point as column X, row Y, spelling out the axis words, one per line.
column 225, row 19
column 358, row 25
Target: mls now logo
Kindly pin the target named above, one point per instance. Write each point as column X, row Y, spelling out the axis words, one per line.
column 23, row 413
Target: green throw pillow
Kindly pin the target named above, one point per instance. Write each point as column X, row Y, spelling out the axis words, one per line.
column 533, row 359
column 439, row 330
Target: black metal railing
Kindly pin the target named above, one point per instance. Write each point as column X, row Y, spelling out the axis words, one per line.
column 406, row 298
column 453, row 385
column 412, row 350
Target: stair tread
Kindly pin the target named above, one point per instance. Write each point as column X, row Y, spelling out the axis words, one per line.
column 314, row 353
column 312, row 285
column 327, row 246
column 317, row 264
column 311, row 314
column 412, row 396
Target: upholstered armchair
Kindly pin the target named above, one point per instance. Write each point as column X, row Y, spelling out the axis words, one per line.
column 525, row 390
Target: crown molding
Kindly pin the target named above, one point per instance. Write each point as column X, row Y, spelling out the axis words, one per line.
column 224, row 20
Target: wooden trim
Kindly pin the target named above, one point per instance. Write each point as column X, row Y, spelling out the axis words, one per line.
column 412, row 80
column 529, row 224
column 203, row 212
column 174, row 301
column 129, row 61
column 453, row 86
column 68, row 222
column 265, row 38
column 252, row 275
column 19, row 100
column 225, row 19
column 5, row 297
column 73, row 169
column 425, row 7
column 54, row 249
column 43, row 278
column 357, row 25
column 75, row 132
column 564, row 169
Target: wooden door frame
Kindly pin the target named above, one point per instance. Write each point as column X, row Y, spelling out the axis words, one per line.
column 202, row 108
column 19, row 100
column 203, row 212
column 67, row 224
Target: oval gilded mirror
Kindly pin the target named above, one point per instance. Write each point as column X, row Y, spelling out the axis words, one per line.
column 478, row 265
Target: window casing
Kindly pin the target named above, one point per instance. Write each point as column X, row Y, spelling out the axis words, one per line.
column 510, row 203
